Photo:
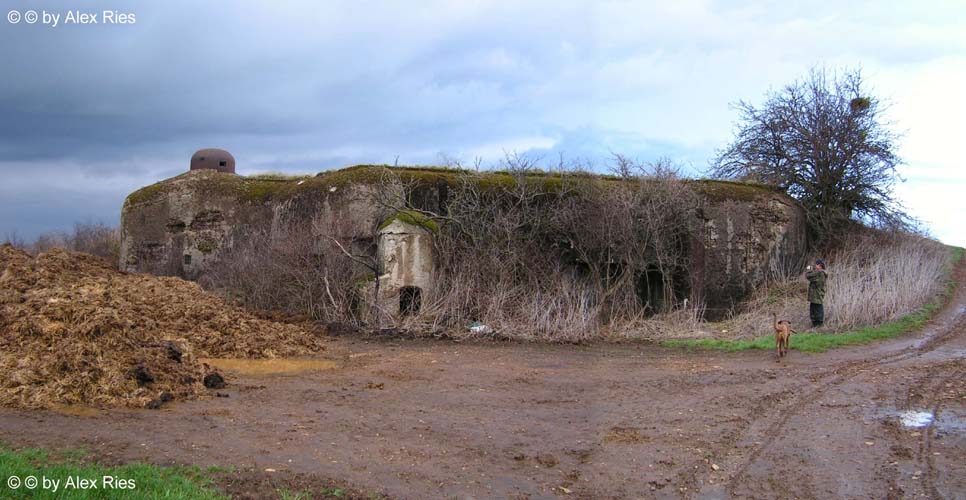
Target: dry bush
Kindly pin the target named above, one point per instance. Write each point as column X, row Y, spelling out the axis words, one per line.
column 289, row 269
column 96, row 239
column 92, row 238
column 13, row 239
column 873, row 278
column 684, row 321
column 561, row 256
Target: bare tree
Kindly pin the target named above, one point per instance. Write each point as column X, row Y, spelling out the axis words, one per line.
column 824, row 141
column 13, row 239
column 640, row 226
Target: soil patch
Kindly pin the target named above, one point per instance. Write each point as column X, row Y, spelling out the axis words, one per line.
column 255, row 485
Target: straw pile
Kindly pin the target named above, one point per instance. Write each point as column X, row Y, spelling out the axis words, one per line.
column 73, row 330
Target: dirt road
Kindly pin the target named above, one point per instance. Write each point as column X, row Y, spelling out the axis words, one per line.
column 420, row 419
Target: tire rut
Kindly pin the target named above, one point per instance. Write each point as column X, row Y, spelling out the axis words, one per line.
column 741, row 461
column 925, row 457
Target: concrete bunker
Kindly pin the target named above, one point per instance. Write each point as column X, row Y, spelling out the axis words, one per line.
column 405, row 255
column 740, row 234
column 213, row 159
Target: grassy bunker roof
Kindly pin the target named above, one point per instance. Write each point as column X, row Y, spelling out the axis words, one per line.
column 264, row 187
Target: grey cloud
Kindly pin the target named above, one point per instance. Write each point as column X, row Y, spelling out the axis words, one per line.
column 307, row 86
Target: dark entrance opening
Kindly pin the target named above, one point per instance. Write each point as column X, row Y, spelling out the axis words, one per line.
column 658, row 292
column 410, row 300
column 650, row 291
column 187, row 259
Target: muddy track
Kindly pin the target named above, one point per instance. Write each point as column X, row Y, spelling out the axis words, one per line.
column 925, row 456
column 430, row 419
column 953, row 321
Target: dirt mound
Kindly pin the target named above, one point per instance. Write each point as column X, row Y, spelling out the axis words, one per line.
column 73, row 330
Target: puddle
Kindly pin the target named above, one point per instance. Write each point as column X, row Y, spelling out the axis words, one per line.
column 910, row 418
column 949, row 422
column 76, row 410
column 277, row 366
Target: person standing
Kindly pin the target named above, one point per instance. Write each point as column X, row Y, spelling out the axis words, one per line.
column 816, row 292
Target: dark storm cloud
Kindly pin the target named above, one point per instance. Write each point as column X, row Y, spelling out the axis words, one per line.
column 89, row 113
column 339, row 74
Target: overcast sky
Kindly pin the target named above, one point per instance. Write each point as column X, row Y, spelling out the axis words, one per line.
column 88, row 113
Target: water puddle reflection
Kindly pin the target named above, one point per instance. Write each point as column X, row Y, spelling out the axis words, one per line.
column 277, row 366
column 910, row 418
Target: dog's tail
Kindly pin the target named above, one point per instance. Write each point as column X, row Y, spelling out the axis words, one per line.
column 774, row 317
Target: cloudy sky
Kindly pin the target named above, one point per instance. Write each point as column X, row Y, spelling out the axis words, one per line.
column 89, row 113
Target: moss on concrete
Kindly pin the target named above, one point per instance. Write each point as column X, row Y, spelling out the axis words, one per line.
column 411, row 217
column 256, row 189
column 146, row 194
column 207, row 247
column 264, row 187
column 719, row 190
column 277, row 176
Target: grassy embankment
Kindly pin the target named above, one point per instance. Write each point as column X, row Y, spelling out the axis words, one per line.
column 820, row 342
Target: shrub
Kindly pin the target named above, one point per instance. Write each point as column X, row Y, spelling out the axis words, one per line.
column 93, row 238
column 289, row 269
column 875, row 277
column 562, row 264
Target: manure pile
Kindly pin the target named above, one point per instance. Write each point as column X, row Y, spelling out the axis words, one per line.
column 73, row 330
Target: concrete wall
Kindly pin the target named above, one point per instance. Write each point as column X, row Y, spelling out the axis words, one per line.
column 405, row 252
column 178, row 227
column 199, row 214
column 741, row 233
column 739, row 243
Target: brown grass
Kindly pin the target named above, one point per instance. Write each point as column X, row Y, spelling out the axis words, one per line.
column 875, row 278
column 624, row 435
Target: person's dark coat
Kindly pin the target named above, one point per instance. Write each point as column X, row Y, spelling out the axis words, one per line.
column 816, row 286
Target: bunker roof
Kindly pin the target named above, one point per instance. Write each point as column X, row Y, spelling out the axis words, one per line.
column 264, row 187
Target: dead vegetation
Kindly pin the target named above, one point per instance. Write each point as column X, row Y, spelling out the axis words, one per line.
column 290, row 269
column 874, row 277
column 559, row 255
column 92, row 238
column 77, row 331
column 590, row 257
column 555, row 255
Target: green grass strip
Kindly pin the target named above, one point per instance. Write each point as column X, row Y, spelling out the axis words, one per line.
column 821, row 342
column 141, row 480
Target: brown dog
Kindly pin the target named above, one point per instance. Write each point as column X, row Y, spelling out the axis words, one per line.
column 783, row 331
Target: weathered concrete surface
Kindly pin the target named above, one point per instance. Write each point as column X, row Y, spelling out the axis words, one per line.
column 182, row 225
column 742, row 242
column 177, row 227
column 405, row 254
